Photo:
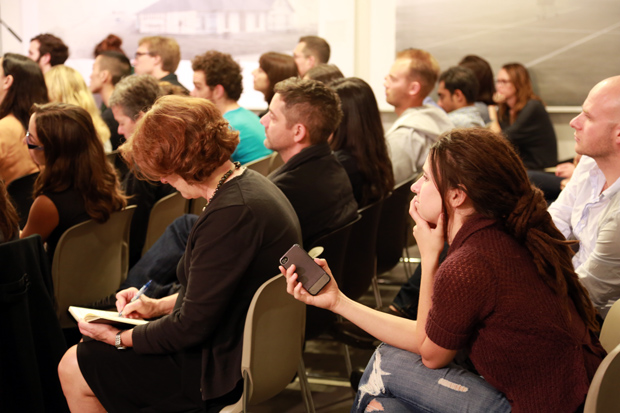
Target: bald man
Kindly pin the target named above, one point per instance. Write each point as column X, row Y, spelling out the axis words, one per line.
column 588, row 209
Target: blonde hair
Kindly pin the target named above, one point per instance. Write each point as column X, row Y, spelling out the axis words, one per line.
column 66, row 85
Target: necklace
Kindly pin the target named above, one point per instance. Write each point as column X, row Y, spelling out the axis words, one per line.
column 223, row 179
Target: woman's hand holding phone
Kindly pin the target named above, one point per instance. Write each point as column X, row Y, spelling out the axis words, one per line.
column 327, row 298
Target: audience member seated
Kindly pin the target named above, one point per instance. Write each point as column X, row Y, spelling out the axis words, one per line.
column 108, row 69
column 190, row 358
column 112, row 43
column 486, row 83
column 77, row 183
column 159, row 57
column 66, row 85
column 23, row 85
column 217, row 78
column 272, row 68
column 302, row 116
column 47, row 51
column 131, row 99
column 359, row 144
column 9, row 220
column 309, row 52
column 521, row 116
column 457, row 90
column 412, row 77
column 325, row 73
column 588, row 209
column 506, row 294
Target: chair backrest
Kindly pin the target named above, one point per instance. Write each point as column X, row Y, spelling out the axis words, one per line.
column 261, row 165
column 334, row 247
column 603, row 395
column 276, row 162
column 162, row 214
column 273, row 340
column 90, row 262
column 610, row 330
column 360, row 260
column 197, row 205
column 394, row 226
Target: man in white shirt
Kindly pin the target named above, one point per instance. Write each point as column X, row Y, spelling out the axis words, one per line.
column 412, row 77
column 588, row 209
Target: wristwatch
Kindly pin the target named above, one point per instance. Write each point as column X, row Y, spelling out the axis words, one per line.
column 117, row 342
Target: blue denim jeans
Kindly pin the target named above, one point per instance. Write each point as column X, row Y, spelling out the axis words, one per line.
column 400, row 382
column 159, row 263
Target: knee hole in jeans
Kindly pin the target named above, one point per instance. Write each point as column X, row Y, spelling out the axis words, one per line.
column 373, row 406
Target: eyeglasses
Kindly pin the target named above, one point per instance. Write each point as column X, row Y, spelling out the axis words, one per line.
column 31, row 145
column 138, row 54
column 502, row 81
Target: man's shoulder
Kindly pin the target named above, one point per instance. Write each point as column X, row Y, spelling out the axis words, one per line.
column 426, row 119
column 466, row 117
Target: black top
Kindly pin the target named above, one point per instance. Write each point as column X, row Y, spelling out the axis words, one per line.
column 232, row 249
column 71, row 211
column 532, row 135
column 355, row 175
column 319, row 189
column 143, row 194
column 172, row 79
column 115, row 139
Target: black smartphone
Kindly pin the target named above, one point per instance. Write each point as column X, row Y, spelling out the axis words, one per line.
column 309, row 273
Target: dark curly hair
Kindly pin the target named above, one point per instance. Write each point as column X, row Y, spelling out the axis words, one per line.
column 485, row 166
column 220, row 69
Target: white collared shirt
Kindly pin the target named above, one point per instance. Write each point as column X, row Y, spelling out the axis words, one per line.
column 584, row 213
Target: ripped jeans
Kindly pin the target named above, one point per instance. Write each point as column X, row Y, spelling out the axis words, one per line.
column 398, row 382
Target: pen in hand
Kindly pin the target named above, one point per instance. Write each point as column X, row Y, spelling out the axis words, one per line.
column 135, row 297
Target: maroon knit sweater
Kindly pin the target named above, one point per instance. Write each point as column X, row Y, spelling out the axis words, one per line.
column 488, row 298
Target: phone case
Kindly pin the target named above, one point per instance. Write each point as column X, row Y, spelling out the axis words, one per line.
column 309, row 273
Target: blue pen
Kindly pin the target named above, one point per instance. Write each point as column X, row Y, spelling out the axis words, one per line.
column 135, row 297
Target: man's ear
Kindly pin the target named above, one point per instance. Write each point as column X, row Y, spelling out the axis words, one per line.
column 140, row 116
column 300, row 132
column 106, row 76
column 459, row 97
column 158, row 61
column 414, row 88
column 218, row 91
column 45, row 59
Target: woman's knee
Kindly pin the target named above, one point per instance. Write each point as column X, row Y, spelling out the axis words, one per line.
column 374, row 406
column 68, row 366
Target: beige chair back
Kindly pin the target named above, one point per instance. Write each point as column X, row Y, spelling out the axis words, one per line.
column 90, row 262
column 272, row 346
column 162, row 214
column 276, row 162
column 610, row 330
column 603, row 395
column 261, row 165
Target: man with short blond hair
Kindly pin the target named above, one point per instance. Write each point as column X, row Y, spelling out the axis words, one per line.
column 310, row 52
column 158, row 56
column 412, row 77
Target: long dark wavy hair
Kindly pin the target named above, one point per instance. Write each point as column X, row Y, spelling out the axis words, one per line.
column 27, row 89
column 485, row 166
column 520, row 78
column 74, row 158
column 361, row 134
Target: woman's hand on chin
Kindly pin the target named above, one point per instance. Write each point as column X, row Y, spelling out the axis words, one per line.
column 327, row 298
column 429, row 237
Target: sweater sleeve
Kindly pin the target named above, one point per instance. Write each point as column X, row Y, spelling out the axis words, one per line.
column 527, row 127
column 222, row 246
column 463, row 295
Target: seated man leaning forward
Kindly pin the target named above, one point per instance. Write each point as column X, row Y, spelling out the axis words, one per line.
column 302, row 115
column 458, row 91
column 189, row 358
